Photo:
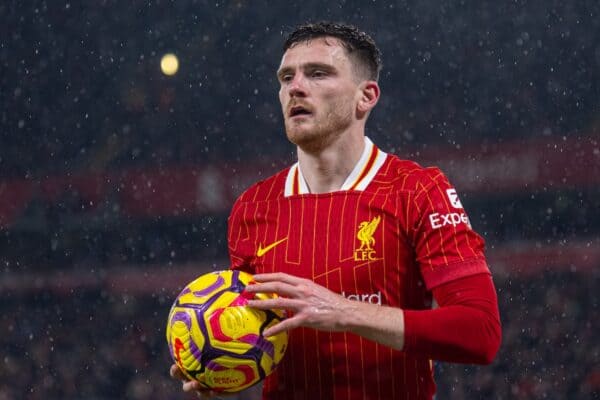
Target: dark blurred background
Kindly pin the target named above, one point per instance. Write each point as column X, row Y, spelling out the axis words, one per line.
column 116, row 180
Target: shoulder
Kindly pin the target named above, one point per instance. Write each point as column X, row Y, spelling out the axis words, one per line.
column 267, row 189
column 406, row 175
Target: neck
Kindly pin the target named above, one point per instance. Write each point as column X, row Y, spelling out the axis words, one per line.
column 325, row 170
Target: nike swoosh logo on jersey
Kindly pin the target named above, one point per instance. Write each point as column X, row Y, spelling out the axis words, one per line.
column 261, row 251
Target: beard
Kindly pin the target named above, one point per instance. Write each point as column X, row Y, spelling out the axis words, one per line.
column 321, row 128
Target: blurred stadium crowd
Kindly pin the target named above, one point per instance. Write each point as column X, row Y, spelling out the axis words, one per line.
column 85, row 285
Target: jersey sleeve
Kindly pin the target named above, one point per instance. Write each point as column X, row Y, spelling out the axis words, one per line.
column 446, row 246
column 465, row 328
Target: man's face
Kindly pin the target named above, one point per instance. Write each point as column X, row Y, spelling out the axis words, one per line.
column 319, row 91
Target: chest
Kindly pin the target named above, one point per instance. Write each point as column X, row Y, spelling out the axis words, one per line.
column 356, row 245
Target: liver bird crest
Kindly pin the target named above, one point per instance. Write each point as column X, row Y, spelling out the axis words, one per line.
column 366, row 229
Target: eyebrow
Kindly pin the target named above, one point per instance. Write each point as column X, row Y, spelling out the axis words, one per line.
column 307, row 66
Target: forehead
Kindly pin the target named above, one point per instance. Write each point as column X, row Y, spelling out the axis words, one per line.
column 325, row 50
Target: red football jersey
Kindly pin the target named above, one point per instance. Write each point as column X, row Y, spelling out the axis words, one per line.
column 394, row 231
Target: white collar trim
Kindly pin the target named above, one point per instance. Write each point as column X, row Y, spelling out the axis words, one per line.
column 363, row 173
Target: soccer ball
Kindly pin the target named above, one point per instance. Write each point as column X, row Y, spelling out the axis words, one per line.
column 216, row 339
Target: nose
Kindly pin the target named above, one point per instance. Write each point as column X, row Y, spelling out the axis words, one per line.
column 297, row 87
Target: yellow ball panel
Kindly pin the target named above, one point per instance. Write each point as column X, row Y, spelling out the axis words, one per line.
column 204, row 288
column 239, row 321
column 185, row 338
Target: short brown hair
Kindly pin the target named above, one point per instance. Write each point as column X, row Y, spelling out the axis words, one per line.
column 358, row 44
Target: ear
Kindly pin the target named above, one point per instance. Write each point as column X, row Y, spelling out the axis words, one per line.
column 369, row 95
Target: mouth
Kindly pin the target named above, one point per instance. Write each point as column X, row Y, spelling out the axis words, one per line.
column 298, row 111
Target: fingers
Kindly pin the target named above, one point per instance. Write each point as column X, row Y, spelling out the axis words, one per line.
column 191, row 386
column 285, row 325
column 281, row 288
column 282, row 284
column 312, row 305
column 187, row 385
column 176, row 373
column 279, row 277
column 277, row 303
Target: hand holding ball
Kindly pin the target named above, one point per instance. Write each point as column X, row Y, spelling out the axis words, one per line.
column 216, row 339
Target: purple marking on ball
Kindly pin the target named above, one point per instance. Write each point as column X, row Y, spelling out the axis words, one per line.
column 260, row 342
column 213, row 366
column 183, row 317
column 218, row 283
column 195, row 350
column 200, row 316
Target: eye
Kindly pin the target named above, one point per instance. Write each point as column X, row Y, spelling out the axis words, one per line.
column 317, row 73
column 286, row 78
